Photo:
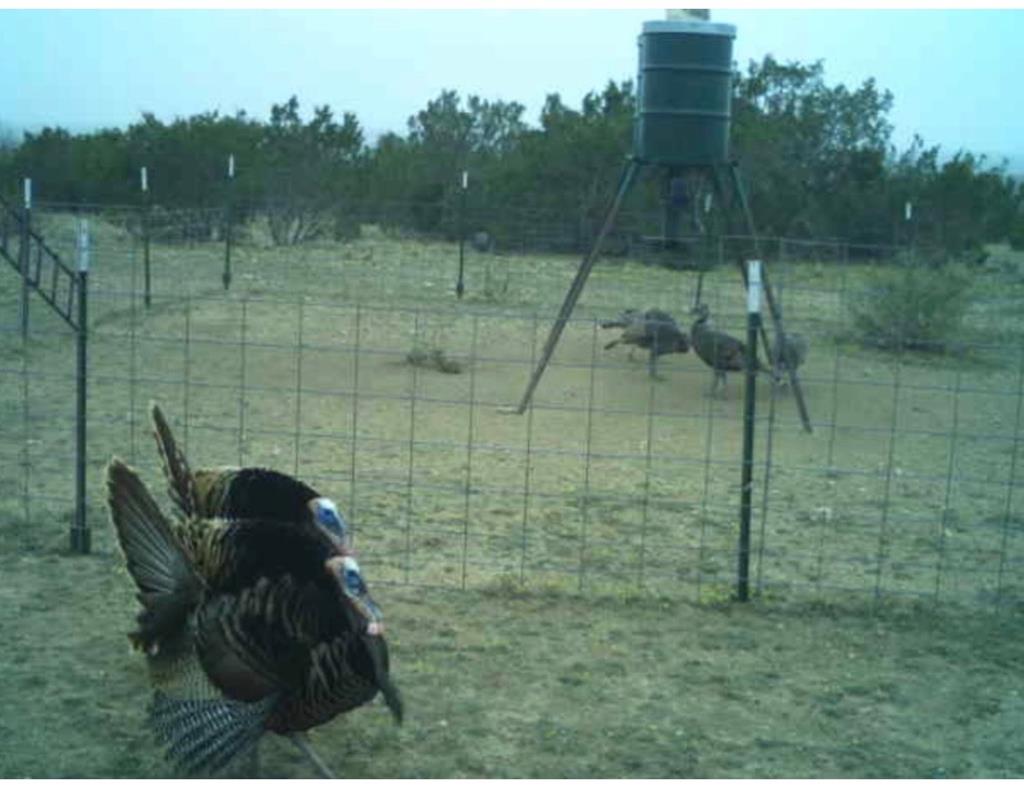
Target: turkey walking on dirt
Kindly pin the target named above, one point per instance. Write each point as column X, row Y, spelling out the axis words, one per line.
column 792, row 350
column 718, row 350
column 653, row 330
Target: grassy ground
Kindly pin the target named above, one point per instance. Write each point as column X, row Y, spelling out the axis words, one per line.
column 503, row 683
column 595, row 535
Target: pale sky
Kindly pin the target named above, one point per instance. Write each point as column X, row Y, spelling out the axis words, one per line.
column 954, row 73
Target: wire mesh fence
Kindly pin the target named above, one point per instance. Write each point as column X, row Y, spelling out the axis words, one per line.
column 351, row 364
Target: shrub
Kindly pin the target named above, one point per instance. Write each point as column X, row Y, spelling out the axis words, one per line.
column 346, row 226
column 913, row 308
column 1017, row 233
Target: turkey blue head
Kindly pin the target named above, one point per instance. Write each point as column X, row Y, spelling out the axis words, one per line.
column 350, row 579
column 328, row 518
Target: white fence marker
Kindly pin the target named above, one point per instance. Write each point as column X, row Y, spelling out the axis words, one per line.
column 83, row 245
column 754, row 286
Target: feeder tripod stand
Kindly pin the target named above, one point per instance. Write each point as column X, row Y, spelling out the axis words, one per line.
column 732, row 197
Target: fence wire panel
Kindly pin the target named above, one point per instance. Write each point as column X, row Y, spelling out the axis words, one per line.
column 353, row 366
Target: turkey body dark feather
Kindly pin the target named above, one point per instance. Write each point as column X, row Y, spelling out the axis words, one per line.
column 653, row 330
column 242, row 492
column 249, row 625
column 252, row 492
column 719, row 351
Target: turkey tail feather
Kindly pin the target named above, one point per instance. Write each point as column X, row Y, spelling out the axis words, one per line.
column 167, row 581
column 181, row 483
column 203, row 735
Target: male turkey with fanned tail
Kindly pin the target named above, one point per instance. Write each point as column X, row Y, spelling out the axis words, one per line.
column 249, row 624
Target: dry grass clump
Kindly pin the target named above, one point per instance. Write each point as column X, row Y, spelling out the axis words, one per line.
column 433, row 358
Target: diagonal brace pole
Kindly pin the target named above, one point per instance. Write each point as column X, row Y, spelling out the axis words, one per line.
column 625, row 183
column 740, row 195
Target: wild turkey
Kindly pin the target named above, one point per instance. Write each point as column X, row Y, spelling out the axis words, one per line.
column 718, row 350
column 653, row 330
column 793, row 349
column 248, row 625
column 243, row 492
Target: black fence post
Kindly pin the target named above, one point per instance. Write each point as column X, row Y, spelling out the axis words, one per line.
column 144, row 177
column 911, row 222
column 24, row 255
column 226, row 278
column 80, row 535
column 746, row 476
column 460, row 286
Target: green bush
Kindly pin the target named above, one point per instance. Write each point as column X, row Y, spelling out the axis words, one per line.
column 913, row 308
column 346, row 226
column 1017, row 234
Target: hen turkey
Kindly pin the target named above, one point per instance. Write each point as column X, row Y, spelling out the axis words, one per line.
column 653, row 330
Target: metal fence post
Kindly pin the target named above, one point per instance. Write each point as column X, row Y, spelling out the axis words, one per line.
column 746, row 476
column 144, row 177
column 80, row 535
column 226, row 278
column 460, row 286
column 23, row 255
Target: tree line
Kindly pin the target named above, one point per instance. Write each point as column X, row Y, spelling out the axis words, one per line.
column 818, row 161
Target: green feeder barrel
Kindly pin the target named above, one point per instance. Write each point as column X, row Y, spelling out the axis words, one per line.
column 684, row 93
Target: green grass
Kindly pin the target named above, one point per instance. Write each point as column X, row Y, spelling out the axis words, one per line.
column 510, row 683
column 594, row 536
